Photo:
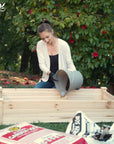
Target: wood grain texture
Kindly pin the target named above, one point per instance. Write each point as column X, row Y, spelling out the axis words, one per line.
column 46, row 105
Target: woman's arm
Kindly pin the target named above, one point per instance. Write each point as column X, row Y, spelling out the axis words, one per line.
column 42, row 58
column 68, row 58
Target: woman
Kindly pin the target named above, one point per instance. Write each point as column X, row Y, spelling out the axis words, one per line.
column 53, row 54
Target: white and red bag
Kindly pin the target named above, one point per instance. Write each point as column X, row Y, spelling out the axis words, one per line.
column 25, row 133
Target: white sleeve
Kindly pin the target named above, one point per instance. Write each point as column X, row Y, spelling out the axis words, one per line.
column 68, row 58
column 41, row 57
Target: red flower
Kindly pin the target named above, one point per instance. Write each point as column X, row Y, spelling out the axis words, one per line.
column 93, row 87
column 77, row 14
column 71, row 41
column 44, row 9
column 104, row 32
column 7, row 82
column 70, row 36
column 84, row 27
column 85, row 6
column 95, row 54
column 29, row 11
column 57, row 5
column 35, row 49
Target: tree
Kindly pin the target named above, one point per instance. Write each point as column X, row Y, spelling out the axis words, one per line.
column 13, row 45
column 10, row 47
column 85, row 24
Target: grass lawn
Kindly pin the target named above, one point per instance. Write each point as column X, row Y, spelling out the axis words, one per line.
column 54, row 126
column 57, row 126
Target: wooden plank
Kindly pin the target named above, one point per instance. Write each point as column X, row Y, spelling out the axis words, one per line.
column 1, row 110
column 46, row 105
column 84, row 97
column 102, row 92
column 56, row 111
column 108, row 96
column 56, row 117
column 25, row 115
column 59, row 104
column 47, row 119
column 0, row 92
column 93, row 112
column 50, row 94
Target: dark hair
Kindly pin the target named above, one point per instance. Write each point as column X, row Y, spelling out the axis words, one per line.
column 44, row 25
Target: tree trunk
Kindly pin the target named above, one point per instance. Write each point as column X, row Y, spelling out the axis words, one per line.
column 25, row 58
column 34, row 66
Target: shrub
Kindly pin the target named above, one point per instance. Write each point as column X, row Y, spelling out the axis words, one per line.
column 85, row 24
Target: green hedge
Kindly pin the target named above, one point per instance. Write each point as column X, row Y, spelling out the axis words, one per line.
column 85, row 24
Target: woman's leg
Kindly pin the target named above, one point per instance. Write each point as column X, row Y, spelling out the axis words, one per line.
column 43, row 84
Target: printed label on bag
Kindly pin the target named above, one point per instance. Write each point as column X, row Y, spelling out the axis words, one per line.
column 2, row 142
column 22, row 132
column 49, row 139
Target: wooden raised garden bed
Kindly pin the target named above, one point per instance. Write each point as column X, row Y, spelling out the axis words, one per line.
column 46, row 105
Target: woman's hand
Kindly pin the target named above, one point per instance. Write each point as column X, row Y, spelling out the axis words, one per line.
column 48, row 72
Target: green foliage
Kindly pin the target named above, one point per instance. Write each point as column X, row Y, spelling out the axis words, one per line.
column 10, row 48
column 86, row 24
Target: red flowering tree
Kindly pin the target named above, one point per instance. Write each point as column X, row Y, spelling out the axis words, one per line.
column 85, row 25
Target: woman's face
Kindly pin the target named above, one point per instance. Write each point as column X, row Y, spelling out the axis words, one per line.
column 46, row 37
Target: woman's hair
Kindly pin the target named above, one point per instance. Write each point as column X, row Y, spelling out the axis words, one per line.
column 45, row 25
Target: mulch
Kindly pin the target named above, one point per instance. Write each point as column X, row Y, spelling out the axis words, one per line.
column 16, row 78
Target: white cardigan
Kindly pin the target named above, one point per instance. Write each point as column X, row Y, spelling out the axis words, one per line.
column 65, row 60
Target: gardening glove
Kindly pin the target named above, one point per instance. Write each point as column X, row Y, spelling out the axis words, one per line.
column 52, row 77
